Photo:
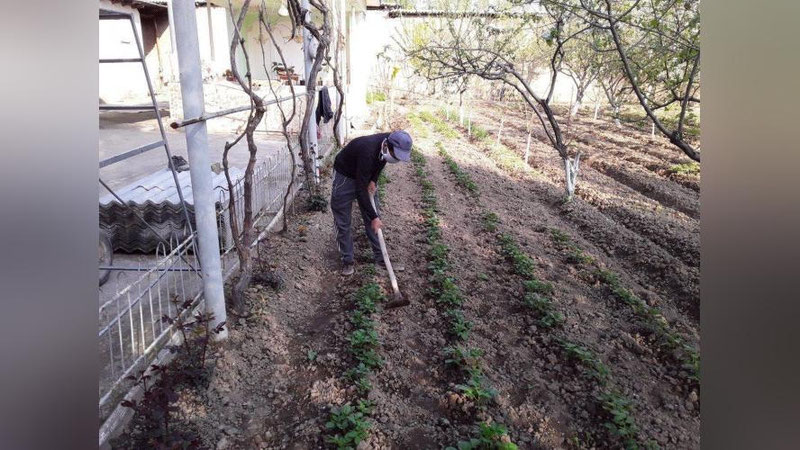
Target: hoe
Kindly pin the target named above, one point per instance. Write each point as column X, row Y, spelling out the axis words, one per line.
column 398, row 297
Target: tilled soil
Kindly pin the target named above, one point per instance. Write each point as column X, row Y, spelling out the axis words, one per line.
column 656, row 239
column 541, row 387
column 282, row 369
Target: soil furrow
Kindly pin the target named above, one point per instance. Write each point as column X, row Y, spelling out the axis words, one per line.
column 653, row 156
column 656, row 270
column 610, row 327
column 677, row 234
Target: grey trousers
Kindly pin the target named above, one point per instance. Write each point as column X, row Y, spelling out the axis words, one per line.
column 343, row 195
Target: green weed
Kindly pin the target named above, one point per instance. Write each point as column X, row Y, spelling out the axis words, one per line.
column 476, row 390
column 621, row 423
column 478, row 132
column 375, row 96
column 523, row 265
column 417, row 127
column 463, row 357
column 590, row 362
column 490, row 221
column 463, row 179
column 490, row 436
column 547, row 316
column 438, row 124
column 383, row 180
column 538, row 287
column 559, row 237
column 459, row 326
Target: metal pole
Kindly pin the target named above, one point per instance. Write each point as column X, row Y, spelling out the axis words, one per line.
column 199, row 161
column 308, row 54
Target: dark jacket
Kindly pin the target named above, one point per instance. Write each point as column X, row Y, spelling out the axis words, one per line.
column 360, row 160
column 324, row 110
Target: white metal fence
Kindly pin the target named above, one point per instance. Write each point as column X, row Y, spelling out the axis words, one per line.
column 132, row 332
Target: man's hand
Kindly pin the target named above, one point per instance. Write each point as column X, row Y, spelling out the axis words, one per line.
column 376, row 224
column 371, row 188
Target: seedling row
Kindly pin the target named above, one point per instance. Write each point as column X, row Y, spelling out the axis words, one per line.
column 670, row 341
column 348, row 424
column 666, row 337
column 537, row 298
column 448, row 297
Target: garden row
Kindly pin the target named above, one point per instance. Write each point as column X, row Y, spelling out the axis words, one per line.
column 448, row 297
column 348, row 424
column 658, row 266
column 537, row 299
column 667, row 339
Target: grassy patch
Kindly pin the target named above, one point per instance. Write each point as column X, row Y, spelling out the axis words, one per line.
column 479, row 133
column 439, row 125
column 506, row 159
column 383, row 180
column 375, row 96
column 690, row 168
column 417, row 127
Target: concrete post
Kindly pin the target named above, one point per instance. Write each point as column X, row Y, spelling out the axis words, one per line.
column 308, row 56
column 199, row 162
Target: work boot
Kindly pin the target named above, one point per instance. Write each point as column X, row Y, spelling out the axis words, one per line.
column 348, row 269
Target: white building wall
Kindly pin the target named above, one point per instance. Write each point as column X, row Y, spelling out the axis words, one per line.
column 120, row 82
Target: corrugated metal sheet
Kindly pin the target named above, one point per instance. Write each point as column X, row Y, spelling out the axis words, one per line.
column 155, row 198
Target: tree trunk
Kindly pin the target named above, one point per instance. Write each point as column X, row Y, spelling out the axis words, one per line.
column 578, row 100
column 528, row 147
column 461, row 108
column 571, row 167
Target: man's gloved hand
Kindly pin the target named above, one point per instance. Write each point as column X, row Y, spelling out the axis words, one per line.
column 376, row 224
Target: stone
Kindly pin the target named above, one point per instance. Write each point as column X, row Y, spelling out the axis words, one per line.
column 223, row 443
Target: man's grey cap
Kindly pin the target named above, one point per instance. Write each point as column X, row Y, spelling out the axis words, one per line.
column 401, row 143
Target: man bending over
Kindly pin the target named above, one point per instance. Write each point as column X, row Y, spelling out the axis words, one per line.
column 355, row 177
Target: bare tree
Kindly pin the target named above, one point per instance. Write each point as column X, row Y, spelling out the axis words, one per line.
column 321, row 33
column 243, row 238
column 285, row 119
column 616, row 88
column 657, row 42
column 582, row 65
column 484, row 45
